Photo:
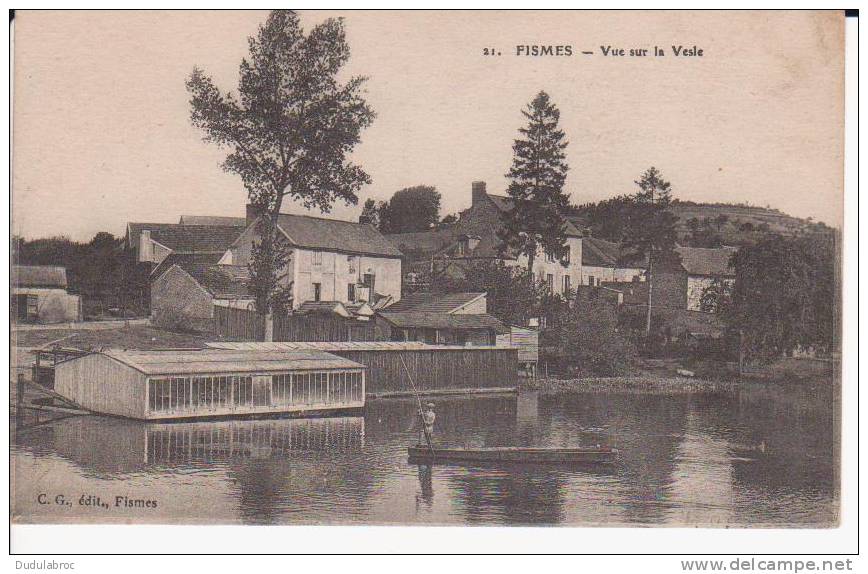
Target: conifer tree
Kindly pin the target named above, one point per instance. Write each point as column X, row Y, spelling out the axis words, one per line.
column 539, row 170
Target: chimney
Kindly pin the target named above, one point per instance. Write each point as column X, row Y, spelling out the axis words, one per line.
column 478, row 188
column 251, row 213
column 146, row 252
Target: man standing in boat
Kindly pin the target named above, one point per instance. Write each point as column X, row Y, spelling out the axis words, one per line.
column 428, row 417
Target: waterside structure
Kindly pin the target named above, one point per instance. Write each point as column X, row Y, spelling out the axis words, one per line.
column 184, row 384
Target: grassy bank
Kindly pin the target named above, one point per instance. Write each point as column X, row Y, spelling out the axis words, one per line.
column 127, row 337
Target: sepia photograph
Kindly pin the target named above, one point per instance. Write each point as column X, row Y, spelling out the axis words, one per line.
column 571, row 269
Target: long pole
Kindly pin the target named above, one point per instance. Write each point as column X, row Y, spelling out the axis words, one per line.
column 419, row 403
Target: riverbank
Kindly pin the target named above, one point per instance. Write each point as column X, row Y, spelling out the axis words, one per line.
column 640, row 384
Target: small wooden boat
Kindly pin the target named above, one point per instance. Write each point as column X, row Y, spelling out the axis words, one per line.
column 513, row 454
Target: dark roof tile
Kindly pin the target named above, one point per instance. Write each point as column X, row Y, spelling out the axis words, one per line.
column 39, row 276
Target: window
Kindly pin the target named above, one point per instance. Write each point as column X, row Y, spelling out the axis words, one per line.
column 369, row 279
column 550, row 257
column 550, row 282
column 351, row 264
column 567, row 256
column 351, row 292
column 27, row 307
column 317, row 291
column 316, row 259
column 566, row 284
column 590, row 280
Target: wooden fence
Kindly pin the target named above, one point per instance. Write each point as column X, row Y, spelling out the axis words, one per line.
column 238, row 324
column 438, row 369
column 243, row 325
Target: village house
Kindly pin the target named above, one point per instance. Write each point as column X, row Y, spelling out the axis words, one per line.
column 700, row 267
column 188, row 286
column 473, row 238
column 676, row 285
column 329, row 260
column 607, row 261
column 40, row 295
column 153, row 242
column 441, row 319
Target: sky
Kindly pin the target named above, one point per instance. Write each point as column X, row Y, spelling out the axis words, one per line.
column 101, row 130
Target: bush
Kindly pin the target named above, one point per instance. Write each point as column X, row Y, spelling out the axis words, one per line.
column 588, row 342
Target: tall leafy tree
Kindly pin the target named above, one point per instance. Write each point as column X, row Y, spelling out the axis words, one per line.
column 651, row 227
column 370, row 213
column 536, row 185
column 784, row 295
column 288, row 131
column 414, row 208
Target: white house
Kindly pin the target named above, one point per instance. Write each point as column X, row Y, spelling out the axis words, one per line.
column 474, row 238
column 329, row 260
column 604, row 261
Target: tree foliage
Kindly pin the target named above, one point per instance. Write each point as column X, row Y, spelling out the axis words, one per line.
column 410, row 209
column 536, row 185
column 291, row 126
column 100, row 269
column 650, row 231
column 514, row 295
column 587, row 340
column 784, row 296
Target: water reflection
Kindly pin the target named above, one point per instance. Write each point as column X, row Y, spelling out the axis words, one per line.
column 742, row 458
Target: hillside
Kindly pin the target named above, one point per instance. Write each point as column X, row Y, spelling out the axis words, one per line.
column 704, row 224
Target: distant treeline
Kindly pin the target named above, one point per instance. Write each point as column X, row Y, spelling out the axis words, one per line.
column 100, row 270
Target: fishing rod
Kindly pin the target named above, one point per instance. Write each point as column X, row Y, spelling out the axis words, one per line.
column 419, row 402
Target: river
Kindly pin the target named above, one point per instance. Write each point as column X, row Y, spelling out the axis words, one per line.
column 752, row 457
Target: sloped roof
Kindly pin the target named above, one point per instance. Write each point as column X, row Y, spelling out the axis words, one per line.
column 221, row 220
column 707, row 261
column 193, row 263
column 177, row 362
column 222, row 281
column 329, row 307
column 421, row 242
column 335, row 235
column 39, row 276
column 187, row 238
column 505, row 203
column 415, row 319
column 434, row 302
column 600, row 253
column 227, row 281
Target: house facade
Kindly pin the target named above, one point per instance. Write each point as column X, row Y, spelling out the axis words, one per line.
column 189, row 286
column 681, row 285
column 40, row 295
column 473, row 238
column 329, row 260
column 605, row 261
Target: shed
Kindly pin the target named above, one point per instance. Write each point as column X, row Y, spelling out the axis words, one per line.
column 175, row 384
column 40, row 295
column 441, row 328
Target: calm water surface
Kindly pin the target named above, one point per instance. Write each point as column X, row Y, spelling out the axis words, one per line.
column 746, row 458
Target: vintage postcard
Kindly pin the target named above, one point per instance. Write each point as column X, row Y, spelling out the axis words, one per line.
column 490, row 268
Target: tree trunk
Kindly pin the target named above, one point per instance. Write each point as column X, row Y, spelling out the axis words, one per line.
column 268, row 331
column 650, row 287
column 530, row 260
